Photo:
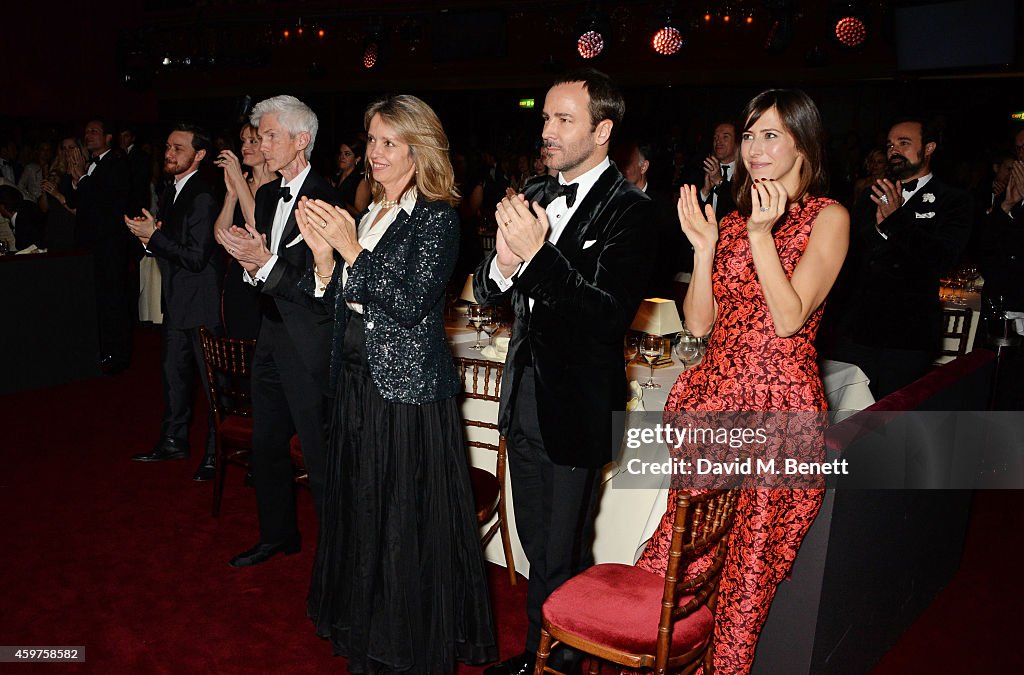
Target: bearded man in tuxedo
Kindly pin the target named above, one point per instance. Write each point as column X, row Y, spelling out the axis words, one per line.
column 904, row 239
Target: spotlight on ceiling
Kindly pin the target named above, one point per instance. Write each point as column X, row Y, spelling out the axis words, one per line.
column 849, row 24
column 370, row 53
column 667, row 40
column 593, row 31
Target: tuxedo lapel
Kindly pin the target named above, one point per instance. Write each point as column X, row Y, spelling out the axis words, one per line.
column 589, row 212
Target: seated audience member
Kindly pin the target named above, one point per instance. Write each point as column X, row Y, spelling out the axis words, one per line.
column 27, row 221
column 905, row 238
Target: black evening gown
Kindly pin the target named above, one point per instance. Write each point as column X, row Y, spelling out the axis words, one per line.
column 399, row 583
column 240, row 302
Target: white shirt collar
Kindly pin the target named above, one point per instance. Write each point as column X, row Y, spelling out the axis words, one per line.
column 587, row 180
column 296, row 184
column 179, row 183
column 921, row 182
column 100, row 157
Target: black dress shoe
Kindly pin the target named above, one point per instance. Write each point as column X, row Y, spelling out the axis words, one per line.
column 517, row 665
column 166, row 448
column 261, row 553
column 206, row 471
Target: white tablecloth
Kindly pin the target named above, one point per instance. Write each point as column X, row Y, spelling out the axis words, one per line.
column 626, row 518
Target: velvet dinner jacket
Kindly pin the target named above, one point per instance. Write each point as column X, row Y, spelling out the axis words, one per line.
column 586, row 289
column 306, row 320
column 893, row 293
column 191, row 267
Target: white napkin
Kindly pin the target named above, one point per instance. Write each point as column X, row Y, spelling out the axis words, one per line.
column 496, row 352
column 1018, row 321
column 31, row 249
column 636, row 394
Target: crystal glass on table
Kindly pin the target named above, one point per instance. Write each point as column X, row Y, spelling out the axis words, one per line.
column 650, row 350
column 687, row 348
column 477, row 315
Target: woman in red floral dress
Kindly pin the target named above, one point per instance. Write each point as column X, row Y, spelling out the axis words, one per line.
column 759, row 281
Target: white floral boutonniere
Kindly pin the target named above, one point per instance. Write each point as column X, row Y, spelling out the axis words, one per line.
column 927, row 198
column 930, row 214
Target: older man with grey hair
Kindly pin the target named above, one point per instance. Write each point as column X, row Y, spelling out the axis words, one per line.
column 290, row 367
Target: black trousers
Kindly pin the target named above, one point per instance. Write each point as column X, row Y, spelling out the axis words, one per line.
column 113, row 309
column 180, row 356
column 554, row 507
column 285, row 400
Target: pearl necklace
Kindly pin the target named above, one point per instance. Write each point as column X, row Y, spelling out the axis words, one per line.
column 387, row 203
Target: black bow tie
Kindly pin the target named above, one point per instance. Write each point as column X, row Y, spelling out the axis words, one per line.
column 909, row 185
column 553, row 190
column 94, row 160
column 285, row 193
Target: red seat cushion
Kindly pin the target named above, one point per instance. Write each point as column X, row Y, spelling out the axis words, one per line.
column 619, row 606
column 485, row 488
column 237, row 431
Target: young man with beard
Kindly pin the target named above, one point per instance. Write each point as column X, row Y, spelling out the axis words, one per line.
column 573, row 255
column 190, row 273
column 904, row 239
column 719, row 168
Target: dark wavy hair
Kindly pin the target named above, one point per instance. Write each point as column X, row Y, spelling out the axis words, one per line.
column 800, row 117
column 606, row 102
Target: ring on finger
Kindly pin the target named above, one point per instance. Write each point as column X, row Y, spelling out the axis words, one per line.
column 323, row 223
column 764, row 209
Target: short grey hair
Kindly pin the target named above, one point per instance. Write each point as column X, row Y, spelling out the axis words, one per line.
column 293, row 114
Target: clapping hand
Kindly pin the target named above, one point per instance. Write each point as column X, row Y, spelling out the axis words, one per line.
column 700, row 228
column 1014, row 187
column 245, row 245
column 712, row 173
column 335, row 226
column 887, row 196
column 313, row 232
column 143, row 226
column 521, row 231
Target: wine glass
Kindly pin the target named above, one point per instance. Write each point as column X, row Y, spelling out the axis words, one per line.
column 686, row 348
column 490, row 325
column 476, row 316
column 650, row 349
column 629, row 348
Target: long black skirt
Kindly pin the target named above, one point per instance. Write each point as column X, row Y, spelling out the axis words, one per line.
column 399, row 583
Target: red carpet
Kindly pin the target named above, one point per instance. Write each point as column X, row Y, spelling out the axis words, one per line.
column 125, row 559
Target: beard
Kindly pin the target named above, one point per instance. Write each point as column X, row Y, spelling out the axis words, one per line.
column 901, row 168
column 572, row 155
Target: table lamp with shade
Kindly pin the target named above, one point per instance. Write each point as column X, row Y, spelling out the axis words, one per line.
column 467, row 291
column 658, row 316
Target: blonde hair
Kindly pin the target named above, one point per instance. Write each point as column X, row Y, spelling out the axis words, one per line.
column 416, row 124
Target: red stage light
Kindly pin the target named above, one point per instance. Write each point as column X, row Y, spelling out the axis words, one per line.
column 667, row 41
column 590, row 44
column 321, row 33
column 370, row 55
column 286, row 34
column 851, row 31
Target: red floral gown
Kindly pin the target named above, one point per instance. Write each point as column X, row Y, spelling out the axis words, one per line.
column 747, row 367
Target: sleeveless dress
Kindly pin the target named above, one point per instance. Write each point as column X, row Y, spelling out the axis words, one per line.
column 747, row 367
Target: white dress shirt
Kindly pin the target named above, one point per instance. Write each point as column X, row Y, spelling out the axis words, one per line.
column 281, row 216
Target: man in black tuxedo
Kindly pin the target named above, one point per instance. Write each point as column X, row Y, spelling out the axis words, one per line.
column 290, row 370
column 719, row 168
column 670, row 250
column 138, row 170
column 100, row 193
column 190, row 272
column 573, row 254
column 27, row 220
column 905, row 238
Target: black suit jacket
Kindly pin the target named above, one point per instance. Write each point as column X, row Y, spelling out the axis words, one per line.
column 1001, row 259
column 307, row 320
column 29, row 225
column 586, row 290
column 186, row 252
column 672, row 252
column 726, row 203
column 890, row 295
column 138, row 175
column 102, row 201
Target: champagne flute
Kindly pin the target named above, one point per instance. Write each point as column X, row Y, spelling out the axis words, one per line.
column 650, row 349
column 476, row 317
